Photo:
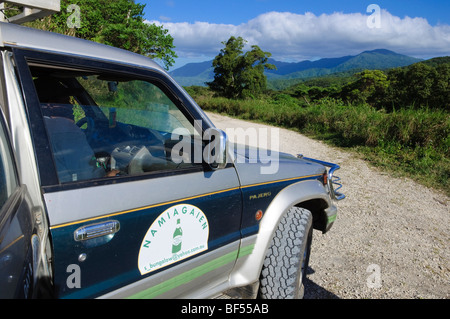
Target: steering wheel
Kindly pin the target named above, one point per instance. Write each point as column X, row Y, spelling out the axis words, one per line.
column 84, row 120
column 90, row 124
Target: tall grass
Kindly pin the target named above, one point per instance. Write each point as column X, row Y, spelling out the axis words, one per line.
column 411, row 142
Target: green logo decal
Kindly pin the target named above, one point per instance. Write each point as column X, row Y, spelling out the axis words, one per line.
column 178, row 233
column 177, row 236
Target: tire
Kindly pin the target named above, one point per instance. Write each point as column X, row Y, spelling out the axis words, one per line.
column 286, row 261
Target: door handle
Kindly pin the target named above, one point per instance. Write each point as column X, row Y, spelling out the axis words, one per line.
column 109, row 227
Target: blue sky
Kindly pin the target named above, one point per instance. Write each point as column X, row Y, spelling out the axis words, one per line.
column 295, row 30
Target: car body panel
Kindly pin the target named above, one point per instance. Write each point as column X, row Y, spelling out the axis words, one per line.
column 247, row 269
column 20, row 243
column 116, row 259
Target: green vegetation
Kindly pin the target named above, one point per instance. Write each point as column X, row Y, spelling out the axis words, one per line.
column 416, row 86
column 398, row 119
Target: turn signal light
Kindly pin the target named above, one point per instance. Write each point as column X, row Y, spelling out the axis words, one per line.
column 259, row 215
column 325, row 178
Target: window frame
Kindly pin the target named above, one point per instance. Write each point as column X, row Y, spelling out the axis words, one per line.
column 45, row 160
column 10, row 167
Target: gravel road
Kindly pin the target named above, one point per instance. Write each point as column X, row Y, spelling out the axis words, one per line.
column 391, row 238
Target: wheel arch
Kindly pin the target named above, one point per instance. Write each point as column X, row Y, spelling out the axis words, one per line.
column 309, row 194
column 317, row 207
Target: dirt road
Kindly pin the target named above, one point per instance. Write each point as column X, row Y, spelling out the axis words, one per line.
column 391, row 238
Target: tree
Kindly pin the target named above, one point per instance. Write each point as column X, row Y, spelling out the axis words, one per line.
column 119, row 23
column 441, row 94
column 420, row 79
column 420, row 85
column 397, row 90
column 370, row 87
column 238, row 74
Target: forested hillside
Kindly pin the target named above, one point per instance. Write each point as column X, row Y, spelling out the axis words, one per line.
column 288, row 73
column 424, row 84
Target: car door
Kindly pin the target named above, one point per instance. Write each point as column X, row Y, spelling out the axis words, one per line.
column 18, row 241
column 134, row 211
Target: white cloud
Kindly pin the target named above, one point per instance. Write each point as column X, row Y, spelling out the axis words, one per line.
column 295, row 37
column 164, row 18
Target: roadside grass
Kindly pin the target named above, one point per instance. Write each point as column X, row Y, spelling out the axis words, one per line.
column 413, row 143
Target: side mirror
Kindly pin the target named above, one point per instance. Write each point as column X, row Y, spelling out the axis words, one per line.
column 215, row 153
column 113, row 86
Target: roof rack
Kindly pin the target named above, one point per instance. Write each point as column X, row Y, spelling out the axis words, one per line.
column 31, row 10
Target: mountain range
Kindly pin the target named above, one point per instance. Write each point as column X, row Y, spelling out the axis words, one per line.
column 199, row 73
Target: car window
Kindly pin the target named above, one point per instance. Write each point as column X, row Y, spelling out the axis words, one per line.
column 8, row 177
column 104, row 125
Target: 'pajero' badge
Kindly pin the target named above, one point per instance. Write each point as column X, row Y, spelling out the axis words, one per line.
column 178, row 233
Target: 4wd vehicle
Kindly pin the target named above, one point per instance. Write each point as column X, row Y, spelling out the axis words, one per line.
column 129, row 190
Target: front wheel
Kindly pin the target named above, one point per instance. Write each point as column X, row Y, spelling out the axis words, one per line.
column 284, row 268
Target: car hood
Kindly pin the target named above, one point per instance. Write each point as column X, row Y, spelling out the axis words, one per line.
column 256, row 165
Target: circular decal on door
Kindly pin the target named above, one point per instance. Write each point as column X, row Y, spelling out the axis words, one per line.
column 178, row 233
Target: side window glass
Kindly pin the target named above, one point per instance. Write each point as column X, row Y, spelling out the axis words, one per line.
column 101, row 125
column 8, row 178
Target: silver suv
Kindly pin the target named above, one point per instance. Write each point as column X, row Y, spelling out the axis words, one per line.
column 131, row 191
